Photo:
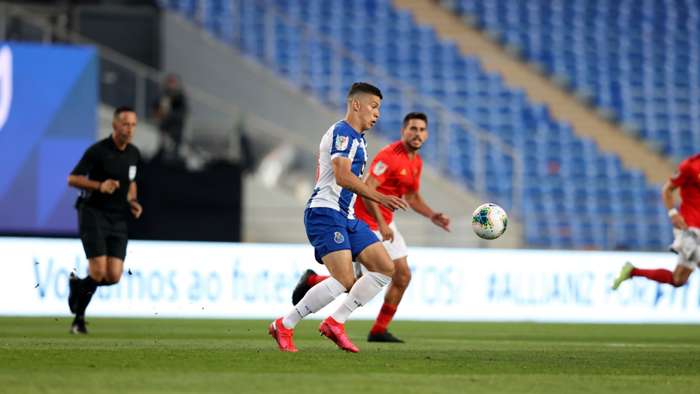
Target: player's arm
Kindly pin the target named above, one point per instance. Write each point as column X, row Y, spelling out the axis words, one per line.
column 418, row 204
column 668, row 197
column 342, row 170
column 387, row 234
column 136, row 208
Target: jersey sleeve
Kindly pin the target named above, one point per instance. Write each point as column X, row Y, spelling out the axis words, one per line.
column 681, row 176
column 86, row 163
column 342, row 143
column 381, row 166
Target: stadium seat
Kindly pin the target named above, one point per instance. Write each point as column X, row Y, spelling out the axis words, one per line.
column 601, row 51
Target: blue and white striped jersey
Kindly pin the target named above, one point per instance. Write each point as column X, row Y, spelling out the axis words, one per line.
column 340, row 140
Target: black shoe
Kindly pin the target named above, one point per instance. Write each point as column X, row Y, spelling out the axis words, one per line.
column 78, row 326
column 385, row 336
column 73, row 292
column 302, row 287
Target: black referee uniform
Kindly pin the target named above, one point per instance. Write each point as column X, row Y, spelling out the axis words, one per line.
column 102, row 217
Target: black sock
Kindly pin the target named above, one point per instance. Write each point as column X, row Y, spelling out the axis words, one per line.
column 87, row 288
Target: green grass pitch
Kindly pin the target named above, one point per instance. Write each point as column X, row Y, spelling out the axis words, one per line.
column 37, row 355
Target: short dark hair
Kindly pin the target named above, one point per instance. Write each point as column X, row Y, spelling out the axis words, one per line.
column 364, row 87
column 415, row 115
column 122, row 109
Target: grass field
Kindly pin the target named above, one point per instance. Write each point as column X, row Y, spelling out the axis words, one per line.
column 37, row 355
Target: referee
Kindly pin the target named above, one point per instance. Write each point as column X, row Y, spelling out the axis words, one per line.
column 106, row 176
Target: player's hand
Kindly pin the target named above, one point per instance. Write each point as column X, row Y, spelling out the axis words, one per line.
column 136, row 208
column 386, row 232
column 109, row 186
column 392, row 202
column 678, row 222
column 441, row 220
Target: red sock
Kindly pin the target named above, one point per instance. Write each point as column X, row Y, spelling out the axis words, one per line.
column 383, row 319
column 314, row 279
column 659, row 275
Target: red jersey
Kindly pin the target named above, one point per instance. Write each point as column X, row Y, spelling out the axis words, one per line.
column 397, row 174
column 688, row 180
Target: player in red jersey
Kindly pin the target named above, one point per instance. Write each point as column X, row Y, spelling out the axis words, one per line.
column 686, row 223
column 395, row 171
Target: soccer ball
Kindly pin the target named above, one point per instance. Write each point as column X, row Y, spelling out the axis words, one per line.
column 489, row 221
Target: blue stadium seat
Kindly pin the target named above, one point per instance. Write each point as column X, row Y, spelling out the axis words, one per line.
column 611, row 54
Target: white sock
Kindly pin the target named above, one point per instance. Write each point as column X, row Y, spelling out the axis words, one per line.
column 314, row 300
column 368, row 286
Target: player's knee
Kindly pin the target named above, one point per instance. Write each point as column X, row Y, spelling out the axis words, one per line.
column 402, row 278
column 346, row 280
column 98, row 275
column 347, row 283
column 388, row 269
column 679, row 282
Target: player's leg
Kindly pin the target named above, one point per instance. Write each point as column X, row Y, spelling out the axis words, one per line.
column 331, row 247
column 116, row 252
column 116, row 242
column 370, row 253
column 379, row 274
column 688, row 250
column 677, row 278
column 681, row 275
column 398, row 252
column 399, row 283
column 103, row 270
column 339, row 264
column 85, row 289
column 308, row 280
column 93, row 238
column 380, row 270
column 92, row 235
column 115, row 269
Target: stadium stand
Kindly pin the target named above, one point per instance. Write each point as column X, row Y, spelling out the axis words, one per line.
column 635, row 60
column 574, row 195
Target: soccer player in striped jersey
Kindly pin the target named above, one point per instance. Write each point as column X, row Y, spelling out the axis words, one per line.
column 337, row 236
column 686, row 228
column 395, row 170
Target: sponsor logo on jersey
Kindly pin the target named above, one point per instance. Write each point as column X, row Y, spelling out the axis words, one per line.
column 379, row 168
column 341, row 142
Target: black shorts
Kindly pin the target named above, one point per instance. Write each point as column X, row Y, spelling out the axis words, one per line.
column 103, row 233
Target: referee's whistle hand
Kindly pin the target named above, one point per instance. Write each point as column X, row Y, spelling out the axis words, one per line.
column 109, row 186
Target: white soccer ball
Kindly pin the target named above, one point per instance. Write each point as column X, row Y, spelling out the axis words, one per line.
column 489, row 221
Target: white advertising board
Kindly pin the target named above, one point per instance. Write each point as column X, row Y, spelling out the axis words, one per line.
column 217, row 280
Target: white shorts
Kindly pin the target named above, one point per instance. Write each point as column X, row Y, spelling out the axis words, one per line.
column 687, row 245
column 396, row 248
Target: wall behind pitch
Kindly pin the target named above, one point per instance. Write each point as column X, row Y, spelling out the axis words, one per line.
column 203, row 280
column 48, row 104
